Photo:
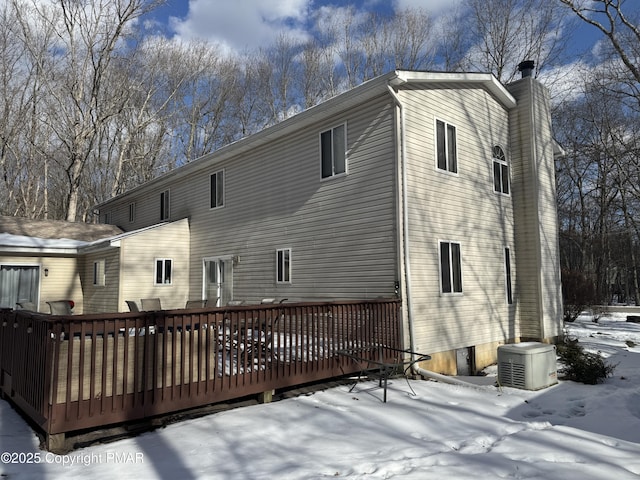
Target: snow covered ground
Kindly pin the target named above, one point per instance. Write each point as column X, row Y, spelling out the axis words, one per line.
column 444, row 432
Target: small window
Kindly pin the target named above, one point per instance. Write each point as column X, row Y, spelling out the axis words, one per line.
column 450, row 267
column 163, row 271
column 507, row 272
column 99, row 273
column 500, row 171
column 446, row 148
column 132, row 212
column 164, row 205
column 216, row 194
column 106, row 218
column 283, row 265
column 333, row 148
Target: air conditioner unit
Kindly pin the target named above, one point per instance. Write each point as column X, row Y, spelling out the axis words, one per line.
column 527, row 365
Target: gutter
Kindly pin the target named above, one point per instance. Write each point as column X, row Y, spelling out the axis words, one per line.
column 403, row 202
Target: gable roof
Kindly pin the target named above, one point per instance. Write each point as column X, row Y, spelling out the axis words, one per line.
column 370, row 89
column 57, row 229
column 25, row 235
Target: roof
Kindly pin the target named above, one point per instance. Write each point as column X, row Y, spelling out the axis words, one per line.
column 19, row 234
column 370, row 89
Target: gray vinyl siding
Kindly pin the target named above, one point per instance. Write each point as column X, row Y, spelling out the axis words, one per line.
column 340, row 230
column 460, row 208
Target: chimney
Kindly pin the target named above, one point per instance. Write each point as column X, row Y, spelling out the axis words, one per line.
column 526, row 68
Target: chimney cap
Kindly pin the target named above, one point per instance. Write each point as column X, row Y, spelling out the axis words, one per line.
column 526, row 68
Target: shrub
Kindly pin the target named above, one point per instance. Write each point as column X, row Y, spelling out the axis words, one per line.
column 581, row 366
column 578, row 292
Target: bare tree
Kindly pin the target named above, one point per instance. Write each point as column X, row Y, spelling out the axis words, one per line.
column 89, row 34
column 506, row 32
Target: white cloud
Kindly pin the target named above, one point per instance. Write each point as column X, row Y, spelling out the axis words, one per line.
column 240, row 24
column 432, row 6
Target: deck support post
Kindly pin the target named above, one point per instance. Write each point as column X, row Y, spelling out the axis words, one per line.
column 266, row 397
column 57, row 443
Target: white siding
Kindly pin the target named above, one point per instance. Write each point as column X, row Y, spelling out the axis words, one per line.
column 460, row 208
column 138, row 253
column 535, row 209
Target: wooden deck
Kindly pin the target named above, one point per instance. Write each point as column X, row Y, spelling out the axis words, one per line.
column 70, row 373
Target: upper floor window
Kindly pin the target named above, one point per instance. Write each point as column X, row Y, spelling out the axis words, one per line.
column 333, row 151
column 132, row 212
column 283, row 265
column 216, row 193
column 450, row 267
column 446, row 149
column 500, row 171
column 163, row 271
column 99, row 273
column 164, row 205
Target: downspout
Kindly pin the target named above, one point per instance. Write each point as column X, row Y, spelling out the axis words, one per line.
column 403, row 201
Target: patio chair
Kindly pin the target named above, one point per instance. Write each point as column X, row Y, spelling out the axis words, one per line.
column 150, row 304
column 30, row 306
column 133, row 306
column 196, row 304
column 60, row 307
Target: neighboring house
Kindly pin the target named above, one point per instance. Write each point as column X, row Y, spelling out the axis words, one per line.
column 436, row 187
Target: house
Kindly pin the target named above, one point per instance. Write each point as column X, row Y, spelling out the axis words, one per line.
column 438, row 188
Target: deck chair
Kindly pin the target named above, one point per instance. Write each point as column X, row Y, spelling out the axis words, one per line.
column 150, row 304
column 60, row 307
column 133, row 306
column 30, row 306
column 196, row 304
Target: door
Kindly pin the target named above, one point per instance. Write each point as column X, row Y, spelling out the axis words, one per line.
column 19, row 283
column 218, row 280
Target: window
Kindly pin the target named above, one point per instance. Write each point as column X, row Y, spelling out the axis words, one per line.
column 163, row 271
column 283, row 265
column 99, row 273
column 216, row 193
column 446, row 152
column 132, row 212
column 500, row 171
column 333, row 151
column 507, row 271
column 164, row 205
column 450, row 267
column 106, row 218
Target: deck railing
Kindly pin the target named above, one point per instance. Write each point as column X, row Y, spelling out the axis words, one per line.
column 88, row 371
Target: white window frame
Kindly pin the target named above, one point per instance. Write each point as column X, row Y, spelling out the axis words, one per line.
column 283, row 265
column 453, row 285
column 447, row 147
column 163, row 262
column 219, row 200
column 99, row 273
column 165, row 205
column 499, row 161
column 332, row 132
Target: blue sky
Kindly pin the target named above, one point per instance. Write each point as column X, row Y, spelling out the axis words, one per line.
column 241, row 24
